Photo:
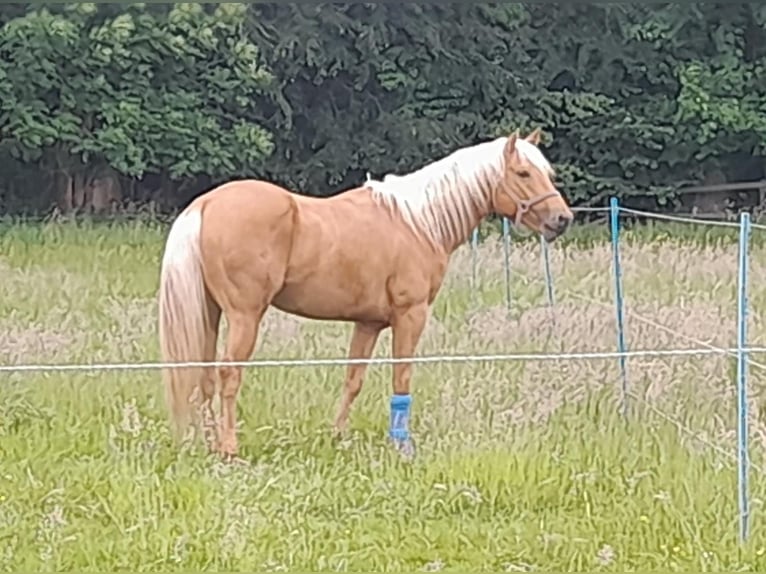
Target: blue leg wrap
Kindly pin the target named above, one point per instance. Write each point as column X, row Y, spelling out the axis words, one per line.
column 400, row 417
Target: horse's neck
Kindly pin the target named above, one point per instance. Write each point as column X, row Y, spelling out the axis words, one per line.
column 480, row 210
column 476, row 219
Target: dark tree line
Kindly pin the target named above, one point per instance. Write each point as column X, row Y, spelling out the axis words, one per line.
column 106, row 106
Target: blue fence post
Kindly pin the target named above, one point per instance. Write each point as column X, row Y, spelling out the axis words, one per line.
column 474, row 249
column 614, row 212
column 507, row 257
column 743, row 462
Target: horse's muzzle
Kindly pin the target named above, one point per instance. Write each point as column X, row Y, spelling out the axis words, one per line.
column 556, row 225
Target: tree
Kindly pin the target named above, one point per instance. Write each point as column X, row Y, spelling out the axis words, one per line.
column 384, row 88
column 634, row 100
column 93, row 98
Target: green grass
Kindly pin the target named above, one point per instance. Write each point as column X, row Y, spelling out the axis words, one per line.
column 520, row 467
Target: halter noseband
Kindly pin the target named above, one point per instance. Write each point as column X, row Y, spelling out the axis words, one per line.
column 523, row 206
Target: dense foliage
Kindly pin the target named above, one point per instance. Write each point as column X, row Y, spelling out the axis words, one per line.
column 102, row 105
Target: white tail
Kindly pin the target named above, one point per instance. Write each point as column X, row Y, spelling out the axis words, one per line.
column 183, row 321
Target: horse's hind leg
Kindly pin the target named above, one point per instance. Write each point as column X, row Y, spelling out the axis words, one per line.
column 243, row 333
column 363, row 341
column 208, row 382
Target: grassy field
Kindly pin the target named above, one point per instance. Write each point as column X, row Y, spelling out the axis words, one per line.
column 521, row 466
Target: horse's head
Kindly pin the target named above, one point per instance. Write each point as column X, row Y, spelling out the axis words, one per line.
column 526, row 194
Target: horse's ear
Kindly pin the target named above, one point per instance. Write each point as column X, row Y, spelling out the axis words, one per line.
column 534, row 137
column 510, row 145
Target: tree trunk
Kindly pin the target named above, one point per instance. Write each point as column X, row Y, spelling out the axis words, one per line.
column 105, row 192
column 84, row 190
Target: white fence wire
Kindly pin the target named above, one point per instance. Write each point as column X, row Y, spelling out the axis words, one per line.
column 422, row 359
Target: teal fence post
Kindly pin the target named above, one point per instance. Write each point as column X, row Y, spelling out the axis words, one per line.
column 619, row 303
column 507, row 263
column 743, row 462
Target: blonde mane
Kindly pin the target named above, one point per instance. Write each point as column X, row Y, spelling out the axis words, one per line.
column 444, row 200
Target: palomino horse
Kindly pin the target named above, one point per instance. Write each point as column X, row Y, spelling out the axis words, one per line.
column 375, row 255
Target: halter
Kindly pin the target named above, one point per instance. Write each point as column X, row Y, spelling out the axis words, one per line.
column 523, row 206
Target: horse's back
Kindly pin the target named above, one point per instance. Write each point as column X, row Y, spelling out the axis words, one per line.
column 246, row 198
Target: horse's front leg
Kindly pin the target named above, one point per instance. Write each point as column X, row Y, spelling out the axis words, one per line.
column 407, row 328
column 363, row 341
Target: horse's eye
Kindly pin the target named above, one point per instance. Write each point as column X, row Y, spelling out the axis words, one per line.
column 523, row 173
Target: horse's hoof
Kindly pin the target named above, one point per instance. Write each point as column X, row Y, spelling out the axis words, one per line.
column 212, row 447
column 338, row 433
column 232, row 459
column 406, row 448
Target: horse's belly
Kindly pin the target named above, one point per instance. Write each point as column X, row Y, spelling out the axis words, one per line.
column 331, row 299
